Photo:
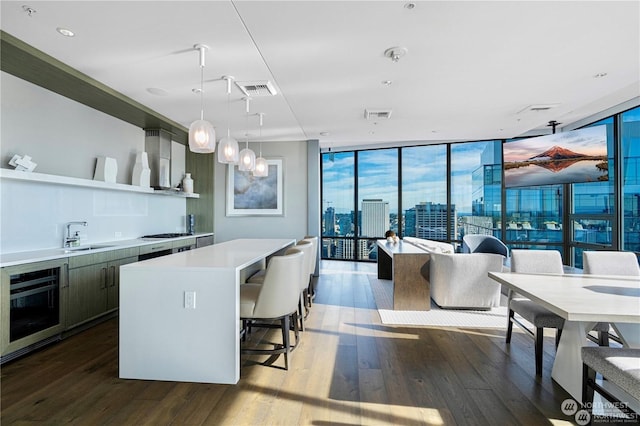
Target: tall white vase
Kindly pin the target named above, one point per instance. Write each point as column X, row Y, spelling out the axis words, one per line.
column 141, row 172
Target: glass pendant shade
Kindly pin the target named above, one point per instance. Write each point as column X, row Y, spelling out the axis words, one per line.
column 202, row 137
column 228, row 150
column 247, row 161
column 262, row 168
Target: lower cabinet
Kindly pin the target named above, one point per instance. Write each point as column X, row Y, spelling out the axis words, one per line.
column 94, row 285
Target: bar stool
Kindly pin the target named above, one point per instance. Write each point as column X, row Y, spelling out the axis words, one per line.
column 306, row 247
column 275, row 299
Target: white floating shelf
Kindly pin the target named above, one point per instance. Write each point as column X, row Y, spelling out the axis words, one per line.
column 175, row 193
column 71, row 181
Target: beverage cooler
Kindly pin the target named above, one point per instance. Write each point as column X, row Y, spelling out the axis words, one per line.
column 31, row 301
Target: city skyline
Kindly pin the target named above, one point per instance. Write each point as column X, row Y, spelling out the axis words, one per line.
column 423, row 176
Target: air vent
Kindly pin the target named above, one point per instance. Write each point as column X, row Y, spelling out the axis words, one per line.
column 377, row 114
column 257, row 88
column 538, row 108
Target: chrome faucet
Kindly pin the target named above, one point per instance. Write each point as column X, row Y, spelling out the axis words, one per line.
column 73, row 241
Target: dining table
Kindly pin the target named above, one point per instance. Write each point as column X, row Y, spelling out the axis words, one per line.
column 583, row 301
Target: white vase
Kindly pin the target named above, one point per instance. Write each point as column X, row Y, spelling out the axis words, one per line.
column 187, row 184
column 141, row 173
column 106, row 169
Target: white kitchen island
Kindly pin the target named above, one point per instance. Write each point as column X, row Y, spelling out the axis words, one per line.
column 179, row 314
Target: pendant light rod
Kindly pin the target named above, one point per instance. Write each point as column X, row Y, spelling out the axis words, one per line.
column 229, row 79
column 247, row 101
column 261, row 116
column 202, row 49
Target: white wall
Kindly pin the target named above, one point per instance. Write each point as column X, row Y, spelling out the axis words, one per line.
column 34, row 214
column 64, row 137
column 294, row 222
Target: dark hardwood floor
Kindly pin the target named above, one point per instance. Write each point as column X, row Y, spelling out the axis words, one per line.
column 349, row 369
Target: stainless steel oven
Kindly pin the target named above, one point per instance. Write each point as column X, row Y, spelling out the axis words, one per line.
column 32, row 309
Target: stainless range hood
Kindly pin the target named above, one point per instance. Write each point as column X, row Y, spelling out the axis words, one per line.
column 157, row 144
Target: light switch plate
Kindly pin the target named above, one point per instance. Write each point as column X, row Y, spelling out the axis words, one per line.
column 190, row 299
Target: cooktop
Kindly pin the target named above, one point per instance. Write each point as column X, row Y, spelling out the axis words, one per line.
column 167, row 235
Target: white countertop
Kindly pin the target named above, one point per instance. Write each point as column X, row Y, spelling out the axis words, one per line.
column 230, row 254
column 18, row 258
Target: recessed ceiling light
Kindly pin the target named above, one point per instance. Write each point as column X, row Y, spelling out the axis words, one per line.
column 65, row 32
column 600, row 75
column 324, row 133
column 409, row 6
column 158, row 92
column 387, row 82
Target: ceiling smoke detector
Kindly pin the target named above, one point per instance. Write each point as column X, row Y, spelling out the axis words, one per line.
column 395, row 53
column 377, row 114
column 256, row 89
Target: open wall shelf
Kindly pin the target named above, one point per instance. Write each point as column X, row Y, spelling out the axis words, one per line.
column 71, row 181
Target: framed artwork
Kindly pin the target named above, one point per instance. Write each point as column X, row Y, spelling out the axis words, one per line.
column 249, row 195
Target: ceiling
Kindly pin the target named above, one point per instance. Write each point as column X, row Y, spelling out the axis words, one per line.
column 473, row 70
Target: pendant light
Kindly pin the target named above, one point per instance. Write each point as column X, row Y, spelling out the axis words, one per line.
column 247, row 161
column 262, row 168
column 228, row 148
column 202, row 136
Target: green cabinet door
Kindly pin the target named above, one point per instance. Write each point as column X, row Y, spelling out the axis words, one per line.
column 113, row 285
column 87, row 296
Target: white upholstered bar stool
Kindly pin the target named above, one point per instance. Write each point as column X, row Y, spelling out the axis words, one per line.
column 275, row 299
column 306, row 248
column 609, row 263
column 534, row 262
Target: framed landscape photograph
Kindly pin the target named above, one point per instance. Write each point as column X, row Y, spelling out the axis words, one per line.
column 249, row 195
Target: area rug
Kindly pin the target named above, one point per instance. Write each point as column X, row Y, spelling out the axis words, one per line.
column 436, row 317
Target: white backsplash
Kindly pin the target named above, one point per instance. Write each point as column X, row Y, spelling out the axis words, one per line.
column 34, row 215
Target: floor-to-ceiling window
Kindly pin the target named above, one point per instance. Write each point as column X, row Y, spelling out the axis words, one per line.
column 377, row 199
column 630, row 153
column 338, row 192
column 445, row 191
column 476, row 188
column 593, row 206
column 424, row 191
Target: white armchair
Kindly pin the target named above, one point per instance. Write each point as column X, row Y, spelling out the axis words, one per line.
column 461, row 281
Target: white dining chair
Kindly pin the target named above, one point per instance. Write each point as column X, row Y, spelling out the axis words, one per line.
column 609, row 263
column 534, row 262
